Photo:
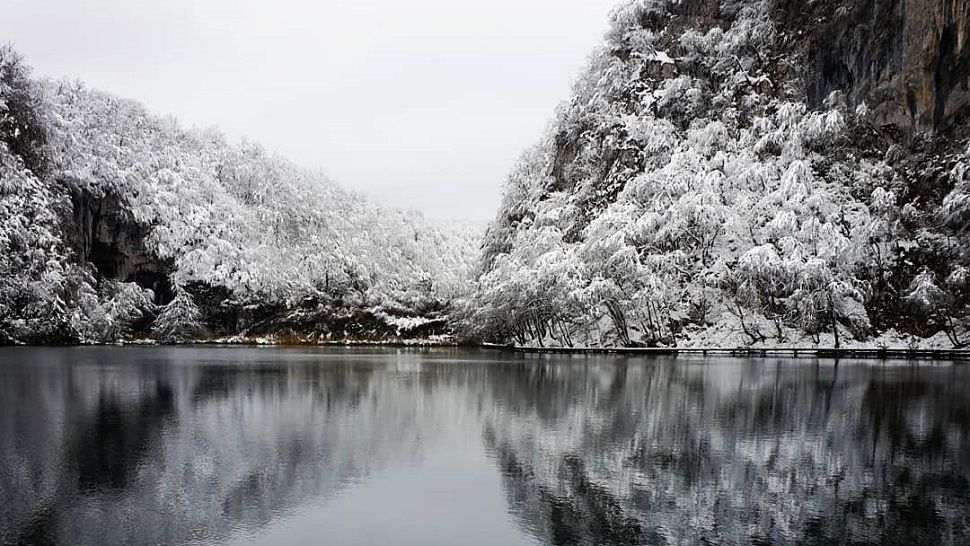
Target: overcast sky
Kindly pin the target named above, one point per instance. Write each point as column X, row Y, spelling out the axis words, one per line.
column 421, row 104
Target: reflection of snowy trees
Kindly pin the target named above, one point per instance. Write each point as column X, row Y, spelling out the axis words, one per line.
column 160, row 453
column 590, row 450
column 738, row 454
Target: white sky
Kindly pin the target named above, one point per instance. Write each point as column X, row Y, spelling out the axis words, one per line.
column 421, row 104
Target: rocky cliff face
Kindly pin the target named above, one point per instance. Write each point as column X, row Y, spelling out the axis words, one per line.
column 103, row 233
column 909, row 60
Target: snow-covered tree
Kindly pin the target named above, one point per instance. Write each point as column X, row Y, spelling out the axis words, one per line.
column 178, row 321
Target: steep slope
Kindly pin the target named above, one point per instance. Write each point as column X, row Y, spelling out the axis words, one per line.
column 746, row 171
column 111, row 214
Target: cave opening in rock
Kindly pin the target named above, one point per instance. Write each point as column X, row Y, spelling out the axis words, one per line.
column 106, row 236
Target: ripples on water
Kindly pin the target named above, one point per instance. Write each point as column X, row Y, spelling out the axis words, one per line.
column 286, row 446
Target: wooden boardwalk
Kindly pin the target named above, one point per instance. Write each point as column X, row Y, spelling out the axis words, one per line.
column 789, row 352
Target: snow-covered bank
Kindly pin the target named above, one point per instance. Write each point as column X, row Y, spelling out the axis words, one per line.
column 291, row 340
column 933, row 356
column 288, row 340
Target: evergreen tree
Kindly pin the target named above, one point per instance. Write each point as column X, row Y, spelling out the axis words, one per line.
column 178, row 321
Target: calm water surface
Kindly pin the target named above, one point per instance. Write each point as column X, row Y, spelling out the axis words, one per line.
column 301, row 446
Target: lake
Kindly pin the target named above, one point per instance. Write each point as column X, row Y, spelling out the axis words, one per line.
column 247, row 446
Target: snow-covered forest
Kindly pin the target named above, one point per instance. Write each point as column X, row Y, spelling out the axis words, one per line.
column 721, row 176
column 725, row 172
column 118, row 223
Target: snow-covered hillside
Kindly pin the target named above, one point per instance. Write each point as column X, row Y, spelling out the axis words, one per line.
column 117, row 221
column 763, row 172
column 767, row 172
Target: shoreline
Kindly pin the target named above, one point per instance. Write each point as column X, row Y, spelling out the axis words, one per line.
column 790, row 352
column 255, row 342
column 785, row 352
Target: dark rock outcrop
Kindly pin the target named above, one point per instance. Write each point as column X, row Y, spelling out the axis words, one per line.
column 908, row 60
column 103, row 233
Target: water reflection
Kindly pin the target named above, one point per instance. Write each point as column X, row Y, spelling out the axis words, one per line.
column 175, row 446
column 737, row 453
column 104, row 447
